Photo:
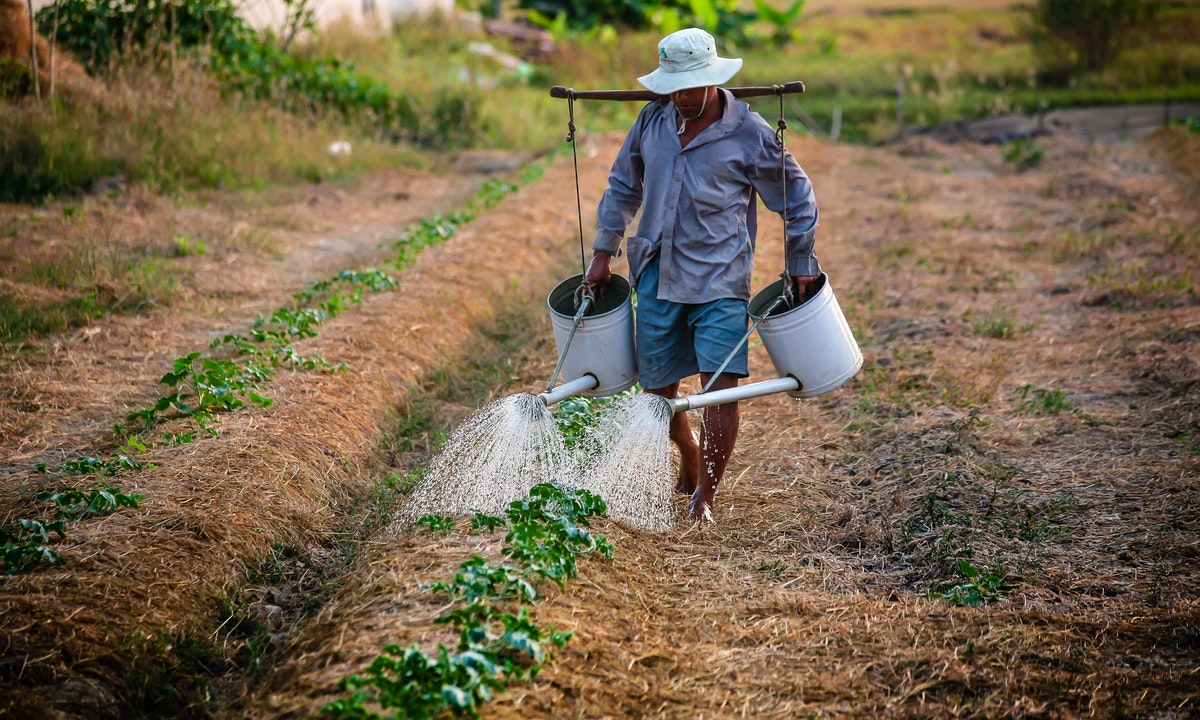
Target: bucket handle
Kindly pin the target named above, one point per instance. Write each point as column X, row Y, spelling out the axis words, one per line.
column 583, row 299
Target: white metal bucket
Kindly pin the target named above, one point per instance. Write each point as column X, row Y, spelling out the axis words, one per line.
column 603, row 344
column 811, row 342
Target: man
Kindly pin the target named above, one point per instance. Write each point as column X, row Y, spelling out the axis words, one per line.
column 694, row 162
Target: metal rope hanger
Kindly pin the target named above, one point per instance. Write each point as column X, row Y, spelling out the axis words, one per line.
column 583, row 297
column 812, row 347
column 571, row 95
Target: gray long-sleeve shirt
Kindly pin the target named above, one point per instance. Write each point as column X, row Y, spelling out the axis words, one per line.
column 699, row 209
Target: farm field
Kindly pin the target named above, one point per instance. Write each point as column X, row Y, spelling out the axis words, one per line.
column 1028, row 409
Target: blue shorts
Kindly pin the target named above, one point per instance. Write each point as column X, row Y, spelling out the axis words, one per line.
column 676, row 340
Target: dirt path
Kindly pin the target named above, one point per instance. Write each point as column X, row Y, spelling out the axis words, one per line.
column 257, row 254
column 1029, row 406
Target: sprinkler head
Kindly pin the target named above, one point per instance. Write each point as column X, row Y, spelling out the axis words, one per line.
column 532, row 407
column 666, row 409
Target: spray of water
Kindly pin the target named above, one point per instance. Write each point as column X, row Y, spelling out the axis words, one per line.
column 512, row 444
column 493, row 458
column 626, row 460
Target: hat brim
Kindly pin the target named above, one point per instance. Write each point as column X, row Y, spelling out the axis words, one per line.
column 665, row 83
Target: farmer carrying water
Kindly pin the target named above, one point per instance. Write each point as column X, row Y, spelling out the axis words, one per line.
column 694, row 161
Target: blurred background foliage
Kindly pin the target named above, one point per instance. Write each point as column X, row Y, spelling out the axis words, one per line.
column 194, row 97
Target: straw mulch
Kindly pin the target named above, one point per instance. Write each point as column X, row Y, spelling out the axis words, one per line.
column 841, row 515
column 971, row 286
column 173, row 573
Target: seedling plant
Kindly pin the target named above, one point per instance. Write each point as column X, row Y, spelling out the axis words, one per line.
column 26, row 545
column 1023, row 154
column 206, row 387
column 92, row 466
column 498, row 641
column 575, row 416
column 975, row 587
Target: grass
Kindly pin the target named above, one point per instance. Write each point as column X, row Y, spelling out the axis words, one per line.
column 174, row 132
column 1000, row 323
column 951, row 62
column 63, row 271
column 20, row 319
column 1041, row 400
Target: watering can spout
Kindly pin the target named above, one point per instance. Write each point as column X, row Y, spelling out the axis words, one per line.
column 578, row 386
column 733, row 394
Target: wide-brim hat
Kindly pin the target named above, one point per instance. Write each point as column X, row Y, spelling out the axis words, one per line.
column 688, row 59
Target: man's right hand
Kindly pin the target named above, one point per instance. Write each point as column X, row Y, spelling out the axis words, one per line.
column 599, row 273
column 804, row 287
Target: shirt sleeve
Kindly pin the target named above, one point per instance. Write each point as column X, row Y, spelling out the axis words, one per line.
column 800, row 214
column 623, row 197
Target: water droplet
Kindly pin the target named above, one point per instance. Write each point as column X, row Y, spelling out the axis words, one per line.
column 506, row 447
column 630, row 461
column 493, row 458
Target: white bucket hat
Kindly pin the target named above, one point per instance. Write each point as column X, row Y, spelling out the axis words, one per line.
column 688, row 59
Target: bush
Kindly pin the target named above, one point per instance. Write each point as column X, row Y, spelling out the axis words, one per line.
column 103, row 32
column 195, row 97
column 723, row 18
column 41, row 159
column 1089, row 34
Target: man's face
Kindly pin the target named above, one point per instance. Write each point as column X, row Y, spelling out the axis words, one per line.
column 690, row 101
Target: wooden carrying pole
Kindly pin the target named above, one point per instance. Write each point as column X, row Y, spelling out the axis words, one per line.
column 558, row 91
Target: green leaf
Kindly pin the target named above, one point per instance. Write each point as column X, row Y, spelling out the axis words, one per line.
column 456, row 697
column 523, row 643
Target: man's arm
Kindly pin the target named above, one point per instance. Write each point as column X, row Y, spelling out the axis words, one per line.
column 621, row 201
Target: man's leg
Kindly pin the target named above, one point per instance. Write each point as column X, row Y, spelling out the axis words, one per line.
column 681, row 435
column 717, row 440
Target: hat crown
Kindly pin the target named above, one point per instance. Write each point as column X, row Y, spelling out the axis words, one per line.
column 688, row 59
column 686, row 50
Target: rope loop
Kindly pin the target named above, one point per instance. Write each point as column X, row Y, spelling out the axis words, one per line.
column 575, row 162
column 782, row 125
column 571, row 117
column 788, row 296
column 583, row 293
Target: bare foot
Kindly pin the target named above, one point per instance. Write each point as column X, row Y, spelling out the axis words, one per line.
column 700, row 508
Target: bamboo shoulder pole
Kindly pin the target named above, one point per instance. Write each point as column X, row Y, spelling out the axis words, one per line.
column 558, row 91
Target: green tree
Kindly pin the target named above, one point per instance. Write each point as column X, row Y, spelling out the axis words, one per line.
column 1089, row 33
column 723, row 18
